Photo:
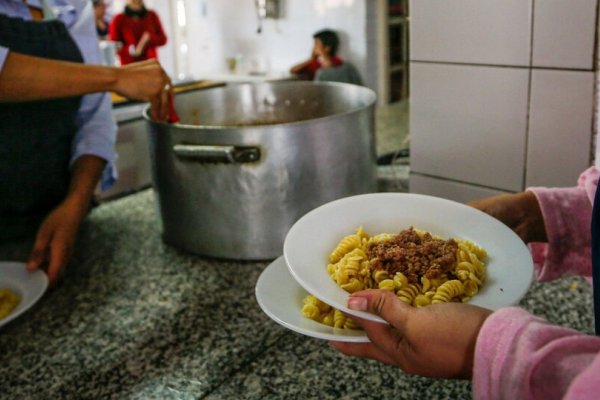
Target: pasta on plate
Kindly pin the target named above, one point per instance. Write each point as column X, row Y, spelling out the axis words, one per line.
column 420, row 268
column 9, row 300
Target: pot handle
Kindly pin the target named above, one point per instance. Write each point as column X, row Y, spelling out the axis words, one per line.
column 217, row 154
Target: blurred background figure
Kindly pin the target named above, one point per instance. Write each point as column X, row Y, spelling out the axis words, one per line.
column 324, row 55
column 324, row 63
column 140, row 32
column 101, row 18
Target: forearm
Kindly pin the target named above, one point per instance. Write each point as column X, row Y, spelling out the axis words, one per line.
column 26, row 78
column 298, row 68
column 142, row 44
column 567, row 215
column 560, row 258
column 85, row 174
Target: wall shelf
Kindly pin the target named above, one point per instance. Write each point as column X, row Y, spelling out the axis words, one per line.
column 397, row 44
column 388, row 48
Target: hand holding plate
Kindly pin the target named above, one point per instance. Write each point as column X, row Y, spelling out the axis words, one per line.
column 435, row 341
column 519, row 211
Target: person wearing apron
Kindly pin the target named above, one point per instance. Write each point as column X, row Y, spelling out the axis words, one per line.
column 55, row 145
column 508, row 353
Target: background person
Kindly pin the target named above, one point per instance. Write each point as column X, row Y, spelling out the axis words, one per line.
column 508, row 353
column 140, row 32
column 323, row 55
column 101, row 19
column 57, row 139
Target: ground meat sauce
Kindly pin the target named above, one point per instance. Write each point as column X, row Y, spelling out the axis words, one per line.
column 414, row 256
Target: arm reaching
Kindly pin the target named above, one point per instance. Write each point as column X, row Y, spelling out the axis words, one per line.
column 301, row 67
column 298, row 68
column 555, row 222
column 509, row 354
column 520, row 212
column 21, row 80
column 56, row 236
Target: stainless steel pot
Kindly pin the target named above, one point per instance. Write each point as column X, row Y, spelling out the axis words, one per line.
column 247, row 161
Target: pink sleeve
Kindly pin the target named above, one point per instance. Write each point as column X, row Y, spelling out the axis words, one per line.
column 520, row 356
column 567, row 215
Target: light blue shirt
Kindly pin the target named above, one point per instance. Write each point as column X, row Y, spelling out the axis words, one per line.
column 96, row 129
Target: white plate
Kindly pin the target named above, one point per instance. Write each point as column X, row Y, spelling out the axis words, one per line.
column 30, row 286
column 280, row 297
column 314, row 236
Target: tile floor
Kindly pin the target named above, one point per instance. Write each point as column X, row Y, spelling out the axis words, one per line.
column 392, row 134
column 391, row 123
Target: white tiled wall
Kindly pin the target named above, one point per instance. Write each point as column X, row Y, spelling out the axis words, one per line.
column 493, row 32
column 501, row 94
column 563, row 33
column 560, row 126
column 456, row 191
column 468, row 123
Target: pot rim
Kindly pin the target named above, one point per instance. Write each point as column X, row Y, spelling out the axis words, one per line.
column 370, row 103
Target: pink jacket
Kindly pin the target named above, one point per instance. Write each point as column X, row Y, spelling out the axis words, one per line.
column 520, row 356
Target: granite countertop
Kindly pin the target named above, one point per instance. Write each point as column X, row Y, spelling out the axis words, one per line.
column 134, row 318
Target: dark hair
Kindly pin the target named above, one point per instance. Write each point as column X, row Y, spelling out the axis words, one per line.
column 329, row 39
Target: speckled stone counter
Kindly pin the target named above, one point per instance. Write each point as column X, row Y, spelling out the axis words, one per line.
column 134, row 318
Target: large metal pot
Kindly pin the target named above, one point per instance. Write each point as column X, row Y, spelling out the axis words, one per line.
column 247, row 161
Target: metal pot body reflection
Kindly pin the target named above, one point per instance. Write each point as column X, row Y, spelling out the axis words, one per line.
column 247, row 161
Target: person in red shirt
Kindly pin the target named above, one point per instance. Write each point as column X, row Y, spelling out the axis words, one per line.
column 140, row 32
column 323, row 55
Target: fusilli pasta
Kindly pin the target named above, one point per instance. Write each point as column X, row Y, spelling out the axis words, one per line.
column 353, row 267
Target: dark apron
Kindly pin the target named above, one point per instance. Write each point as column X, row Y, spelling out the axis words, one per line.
column 596, row 258
column 35, row 137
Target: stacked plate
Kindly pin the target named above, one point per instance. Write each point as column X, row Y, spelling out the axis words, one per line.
column 302, row 269
column 29, row 286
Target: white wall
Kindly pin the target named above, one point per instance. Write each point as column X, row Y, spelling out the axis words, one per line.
column 202, row 34
column 496, row 109
column 165, row 53
column 218, row 29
